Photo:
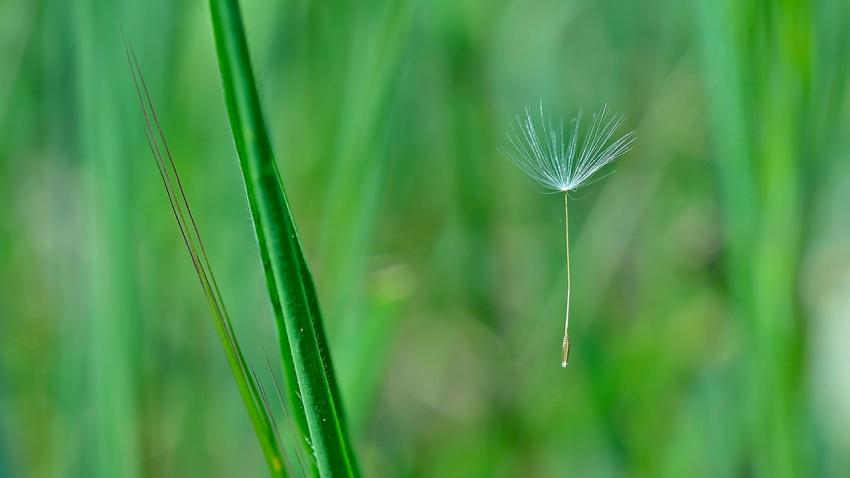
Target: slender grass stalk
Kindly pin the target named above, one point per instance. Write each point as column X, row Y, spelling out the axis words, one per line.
column 301, row 333
column 539, row 149
column 247, row 383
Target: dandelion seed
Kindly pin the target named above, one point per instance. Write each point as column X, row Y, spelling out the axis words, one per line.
column 560, row 164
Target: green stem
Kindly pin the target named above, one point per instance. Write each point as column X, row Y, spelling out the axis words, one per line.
column 303, row 343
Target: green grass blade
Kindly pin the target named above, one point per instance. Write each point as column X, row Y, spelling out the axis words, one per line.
column 302, row 338
column 255, row 403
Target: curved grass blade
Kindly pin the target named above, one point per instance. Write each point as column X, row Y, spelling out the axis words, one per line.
column 246, row 382
column 301, row 334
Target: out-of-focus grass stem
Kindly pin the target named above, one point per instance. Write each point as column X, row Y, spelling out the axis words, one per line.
column 111, row 317
column 756, row 113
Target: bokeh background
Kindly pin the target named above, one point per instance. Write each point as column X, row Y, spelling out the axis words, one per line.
column 711, row 320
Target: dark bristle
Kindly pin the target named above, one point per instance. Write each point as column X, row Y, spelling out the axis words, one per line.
column 299, row 455
column 268, row 410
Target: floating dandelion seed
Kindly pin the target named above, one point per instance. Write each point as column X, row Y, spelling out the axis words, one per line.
column 541, row 151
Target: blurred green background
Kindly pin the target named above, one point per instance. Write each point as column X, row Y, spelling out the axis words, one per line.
column 711, row 289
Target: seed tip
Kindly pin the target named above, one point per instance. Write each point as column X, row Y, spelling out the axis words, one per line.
column 565, row 352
